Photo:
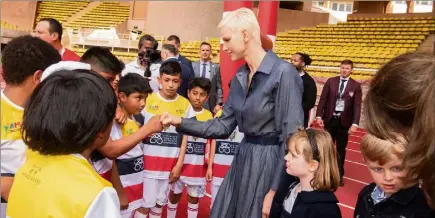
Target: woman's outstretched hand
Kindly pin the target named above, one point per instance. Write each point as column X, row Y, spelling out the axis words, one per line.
column 168, row 119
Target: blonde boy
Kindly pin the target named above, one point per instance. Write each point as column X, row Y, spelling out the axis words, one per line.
column 389, row 196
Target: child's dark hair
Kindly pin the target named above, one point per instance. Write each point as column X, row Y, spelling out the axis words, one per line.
column 305, row 58
column 25, row 55
column 102, row 60
column 66, row 112
column 171, row 68
column 134, row 83
column 203, row 83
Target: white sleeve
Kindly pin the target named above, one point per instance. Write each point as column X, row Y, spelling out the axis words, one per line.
column 105, row 205
column 147, row 116
column 190, row 112
column 115, row 133
column 13, row 156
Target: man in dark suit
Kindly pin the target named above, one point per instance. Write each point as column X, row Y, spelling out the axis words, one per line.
column 207, row 69
column 168, row 54
column 300, row 61
column 175, row 41
column 339, row 110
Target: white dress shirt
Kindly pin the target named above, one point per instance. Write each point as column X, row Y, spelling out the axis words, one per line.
column 207, row 69
column 133, row 67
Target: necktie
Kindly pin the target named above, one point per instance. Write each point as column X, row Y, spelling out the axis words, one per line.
column 342, row 87
column 204, row 69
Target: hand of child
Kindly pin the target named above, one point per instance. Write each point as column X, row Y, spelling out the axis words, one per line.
column 217, row 108
column 209, row 174
column 154, row 125
column 168, row 119
column 352, row 129
column 120, row 116
column 175, row 174
column 123, row 200
column 320, row 122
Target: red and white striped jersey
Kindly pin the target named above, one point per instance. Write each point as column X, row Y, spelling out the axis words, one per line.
column 161, row 150
column 194, row 169
column 101, row 164
column 130, row 165
column 225, row 150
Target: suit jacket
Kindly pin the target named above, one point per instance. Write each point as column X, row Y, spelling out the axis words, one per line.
column 186, row 76
column 309, row 96
column 352, row 101
column 216, row 92
column 186, row 62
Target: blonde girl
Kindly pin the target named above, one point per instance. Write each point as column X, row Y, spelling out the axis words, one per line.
column 312, row 163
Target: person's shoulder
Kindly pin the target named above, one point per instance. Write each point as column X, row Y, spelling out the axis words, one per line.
column 152, row 98
column 182, row 101
column 208, row 114
column 184, row 59
column 71, row 55
column 333, row 78
column 354, row 81
column 286, row 68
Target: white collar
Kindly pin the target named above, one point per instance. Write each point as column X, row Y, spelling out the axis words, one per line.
column 62, row 51
column 171, row 58
column 202, row 62
column 301, row 73
column 346, row 79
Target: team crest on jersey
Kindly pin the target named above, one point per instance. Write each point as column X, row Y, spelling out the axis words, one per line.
column 194, row 138
column 179, row 111
column 154, row 107
column 129, row 131
column 12, row 127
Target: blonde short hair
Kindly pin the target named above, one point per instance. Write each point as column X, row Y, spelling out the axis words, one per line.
column 326, row 177
column 242, row 19
column 380, row 150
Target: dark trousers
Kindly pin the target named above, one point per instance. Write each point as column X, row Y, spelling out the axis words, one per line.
column 340, row 136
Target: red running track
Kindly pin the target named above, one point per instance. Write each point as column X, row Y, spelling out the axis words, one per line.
column 356, row 176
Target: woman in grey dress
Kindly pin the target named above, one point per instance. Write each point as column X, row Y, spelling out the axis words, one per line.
column 265, row 103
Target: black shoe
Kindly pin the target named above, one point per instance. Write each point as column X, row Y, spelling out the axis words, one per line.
column 341, row 183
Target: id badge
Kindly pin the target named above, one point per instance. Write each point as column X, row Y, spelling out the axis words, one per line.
column 339, row 106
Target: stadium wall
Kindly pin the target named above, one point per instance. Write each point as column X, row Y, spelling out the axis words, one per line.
column 20, row 13
column 198, row 20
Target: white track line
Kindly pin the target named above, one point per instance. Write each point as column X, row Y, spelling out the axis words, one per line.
column 353, row 150
column 346, row 206
column 349, row 161
column 355, row 180
column 353, row 142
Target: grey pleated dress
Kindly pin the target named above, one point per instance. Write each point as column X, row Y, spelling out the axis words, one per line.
column 267, row 113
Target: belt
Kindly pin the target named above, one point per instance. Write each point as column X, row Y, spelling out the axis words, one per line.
column 262, row 140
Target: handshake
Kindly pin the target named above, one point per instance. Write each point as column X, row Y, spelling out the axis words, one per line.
column 158, row 123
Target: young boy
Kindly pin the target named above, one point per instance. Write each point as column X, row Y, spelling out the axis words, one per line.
column 220, row 158
column 23, row 61
column 102, row 61
column 133, row 90
column 57, row 179
column 388, row 196
column 163, row 156
column 193, row 172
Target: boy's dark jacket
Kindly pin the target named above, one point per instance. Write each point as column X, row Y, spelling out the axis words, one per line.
column 314, row 204
column 407, row 203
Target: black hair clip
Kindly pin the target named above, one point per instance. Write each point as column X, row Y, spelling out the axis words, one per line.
column 312, row 139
